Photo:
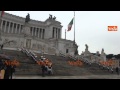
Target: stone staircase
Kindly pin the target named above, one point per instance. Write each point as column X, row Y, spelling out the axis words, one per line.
column 60, row 66
column 27, row 65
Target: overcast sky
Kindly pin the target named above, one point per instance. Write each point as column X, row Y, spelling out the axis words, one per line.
column 91, row 28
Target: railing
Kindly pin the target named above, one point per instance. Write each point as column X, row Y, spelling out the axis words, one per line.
column 29, row 54
column 61, row 54
column 70, row 56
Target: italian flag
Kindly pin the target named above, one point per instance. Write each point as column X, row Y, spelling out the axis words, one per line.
column 2, row 13
column 70, row 25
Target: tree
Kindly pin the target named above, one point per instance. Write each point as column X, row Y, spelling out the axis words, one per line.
column 76, row 52
column 109, row 56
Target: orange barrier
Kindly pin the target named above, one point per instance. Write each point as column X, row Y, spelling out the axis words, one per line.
column 12, row 63
column 45, row 62
column 107, row 63
column 40, row 62
column 75, row 63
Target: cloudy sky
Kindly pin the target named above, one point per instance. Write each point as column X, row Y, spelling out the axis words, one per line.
column 91, row 28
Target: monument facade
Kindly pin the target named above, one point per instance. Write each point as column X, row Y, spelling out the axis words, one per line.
column 35, row 35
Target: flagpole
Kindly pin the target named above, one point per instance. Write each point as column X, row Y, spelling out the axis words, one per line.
column 74, row 26
column 65, row 34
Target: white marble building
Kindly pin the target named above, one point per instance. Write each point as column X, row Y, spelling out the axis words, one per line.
column 36, row 35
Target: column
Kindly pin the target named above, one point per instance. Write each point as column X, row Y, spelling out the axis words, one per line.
column 53, row 33
column 5, row 26
column 1, row 25
column 19, row 28
column 16, row 28
column 9, row 27
column 56, row 32
column 32, row 31
column 38, row 32
column 35, row 31
column 60, row 33
column 41, row 33
column 12, row 27
column 22, row 28
column 44, row 33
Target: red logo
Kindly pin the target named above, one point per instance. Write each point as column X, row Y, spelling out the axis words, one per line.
column 112, row 28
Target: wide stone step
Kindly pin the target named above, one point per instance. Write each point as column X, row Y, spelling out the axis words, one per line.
column 60, row 66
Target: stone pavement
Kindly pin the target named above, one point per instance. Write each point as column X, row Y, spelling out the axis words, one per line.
column 71, row 77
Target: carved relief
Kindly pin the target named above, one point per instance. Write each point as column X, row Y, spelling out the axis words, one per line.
column 22, row 44
column 26, row 31
column 28, row 43
column 33, row 46
column 51, row 50
column 40, row 47
column 67, row 45
column 8, row 42
column 43, row 48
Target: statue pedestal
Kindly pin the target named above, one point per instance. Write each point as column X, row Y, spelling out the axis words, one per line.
column 103, row 57
column 26, row 30
column 27, row 34
column 87, row 53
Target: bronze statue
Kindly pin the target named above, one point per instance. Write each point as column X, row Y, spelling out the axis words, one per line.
column 102, row 51
column 86, row 46
column 54, row 18
column 27, row 19
column 50, row 16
